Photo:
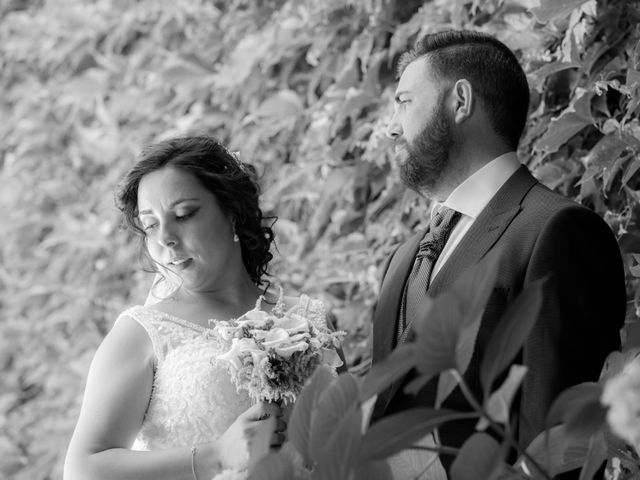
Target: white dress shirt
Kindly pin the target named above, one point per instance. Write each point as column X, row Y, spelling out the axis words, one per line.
column 471, row 196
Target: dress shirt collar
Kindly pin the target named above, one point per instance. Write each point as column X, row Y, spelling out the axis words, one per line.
column 472, row 195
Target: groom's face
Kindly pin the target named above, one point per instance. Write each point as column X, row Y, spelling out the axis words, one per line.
column 421, row 127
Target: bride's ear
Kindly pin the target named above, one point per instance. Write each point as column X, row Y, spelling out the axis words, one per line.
column 463, row 99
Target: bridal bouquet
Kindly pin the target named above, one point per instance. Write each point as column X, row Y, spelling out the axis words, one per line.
column 272, row 354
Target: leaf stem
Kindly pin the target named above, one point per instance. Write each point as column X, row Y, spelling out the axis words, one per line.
column 496, row 426
column 441, row 449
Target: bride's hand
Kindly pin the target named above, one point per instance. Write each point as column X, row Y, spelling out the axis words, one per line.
column 251, row 435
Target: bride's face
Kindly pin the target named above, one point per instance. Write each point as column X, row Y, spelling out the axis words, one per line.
column 186, row 230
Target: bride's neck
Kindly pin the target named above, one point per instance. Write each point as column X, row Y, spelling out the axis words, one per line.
column 229, row 295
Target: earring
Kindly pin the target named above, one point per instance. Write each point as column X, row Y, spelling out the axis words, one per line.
column 236, row 239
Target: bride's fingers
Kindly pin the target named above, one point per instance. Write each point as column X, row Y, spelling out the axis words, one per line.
column 263, row 410
column 277, row 439
column 281, row 425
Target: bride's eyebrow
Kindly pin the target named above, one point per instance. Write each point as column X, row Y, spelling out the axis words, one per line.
column 171, row 205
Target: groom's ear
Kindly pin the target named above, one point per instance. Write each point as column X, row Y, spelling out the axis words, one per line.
column 463, row 99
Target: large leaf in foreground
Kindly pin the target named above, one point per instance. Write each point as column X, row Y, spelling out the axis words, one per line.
column 557, row 452
column 616, row 361
column 579, row 408
column 334, row 407
column 498, row 405
column 299, row 426
column 596, row 455
column 398, row 432
column 446, row 331
column 384, row 373
column 511, row 333
column 339, row 454
column 479, row 457
column 375, row 470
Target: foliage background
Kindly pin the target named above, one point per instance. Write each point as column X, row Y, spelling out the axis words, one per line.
column 301, row 88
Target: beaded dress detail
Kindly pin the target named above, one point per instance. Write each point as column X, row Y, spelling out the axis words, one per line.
column 193, row 399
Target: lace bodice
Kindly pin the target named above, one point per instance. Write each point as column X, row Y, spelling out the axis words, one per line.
column 193, row 400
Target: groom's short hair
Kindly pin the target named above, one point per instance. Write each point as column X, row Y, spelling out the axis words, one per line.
column 489, row 65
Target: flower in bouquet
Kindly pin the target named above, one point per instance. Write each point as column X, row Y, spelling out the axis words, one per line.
column 622, row 395
column 272, row 354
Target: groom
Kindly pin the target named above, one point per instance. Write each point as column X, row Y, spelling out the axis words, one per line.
column 460, row 107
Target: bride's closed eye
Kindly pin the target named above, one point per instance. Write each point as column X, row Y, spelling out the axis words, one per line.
column 148, row 227
column 186, row 215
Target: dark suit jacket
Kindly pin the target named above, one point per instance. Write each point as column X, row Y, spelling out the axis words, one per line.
column 540, row 233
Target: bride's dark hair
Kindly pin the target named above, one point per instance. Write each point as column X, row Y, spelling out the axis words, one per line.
column 232, row 182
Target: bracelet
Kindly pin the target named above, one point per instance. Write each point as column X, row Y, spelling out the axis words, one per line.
column 193, row 462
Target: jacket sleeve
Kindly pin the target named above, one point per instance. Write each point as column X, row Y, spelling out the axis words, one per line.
column 582, row 313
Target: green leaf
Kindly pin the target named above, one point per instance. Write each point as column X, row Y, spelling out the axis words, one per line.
column 399, row 431
column 629, row 243
column 579, row 408
column 299, row 426
column 556, row 451
column 499, row 402
column 511, row 333
column 333, row 408
column 420, row 462
column 384, row 373
column 596, row 455
column 448, row 326
column 553, row 174
column 537, row 77
column 285, row 103
column 631, row 171
column 273, row 466
column 604, row 154
column 479, row 457
column 183, row 72
column 375, row 470
column 571, row 121
column 91, row 84
column 367, row 411
column 340, row 450
column 616, row 361
column 555, row 9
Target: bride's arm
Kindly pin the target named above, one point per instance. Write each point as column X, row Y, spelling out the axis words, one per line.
column 115, row 401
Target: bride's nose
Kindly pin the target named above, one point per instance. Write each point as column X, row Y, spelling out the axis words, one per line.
column 167, row 236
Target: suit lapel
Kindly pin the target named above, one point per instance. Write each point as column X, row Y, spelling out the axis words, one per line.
column 486, row 230
column 388, row 307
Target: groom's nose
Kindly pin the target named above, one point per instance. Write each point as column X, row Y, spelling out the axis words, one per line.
column 394, row 129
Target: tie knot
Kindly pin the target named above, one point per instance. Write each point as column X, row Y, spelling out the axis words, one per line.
column 442, row 222
column 442, row 217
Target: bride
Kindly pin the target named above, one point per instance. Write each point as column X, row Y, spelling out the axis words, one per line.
column 157, row 404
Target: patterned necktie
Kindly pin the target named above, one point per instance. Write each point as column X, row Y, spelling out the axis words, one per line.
column 442, row 222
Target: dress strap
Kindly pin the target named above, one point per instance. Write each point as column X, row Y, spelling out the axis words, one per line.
column 146, row 319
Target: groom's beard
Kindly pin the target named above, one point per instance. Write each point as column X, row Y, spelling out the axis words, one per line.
column 428, row 155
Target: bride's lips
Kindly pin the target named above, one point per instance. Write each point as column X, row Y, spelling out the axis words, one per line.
column 180, row 263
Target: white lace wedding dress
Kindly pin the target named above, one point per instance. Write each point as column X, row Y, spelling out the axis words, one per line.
column 193, row 399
